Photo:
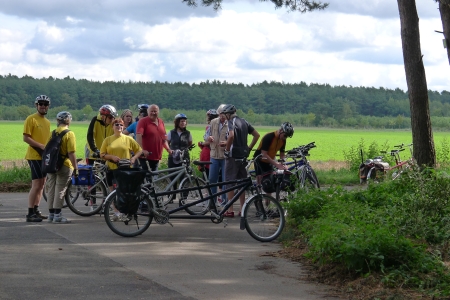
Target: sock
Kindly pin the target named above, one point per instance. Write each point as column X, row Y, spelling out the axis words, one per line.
column 30, row 211
column 57, row 211
column 52, row 211
column 36, row 209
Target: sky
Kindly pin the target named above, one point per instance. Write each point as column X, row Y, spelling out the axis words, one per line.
column 351, row 43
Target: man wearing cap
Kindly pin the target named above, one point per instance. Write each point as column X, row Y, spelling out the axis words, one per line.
column 151, row 136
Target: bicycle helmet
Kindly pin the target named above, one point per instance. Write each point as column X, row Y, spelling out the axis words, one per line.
column 220, row 108
column 42, row 98
column 64, row 117
column 288, row 129
column 108, row 110
column 212, row 114
column 180, row 116
column 142, row 106
column 229, row 109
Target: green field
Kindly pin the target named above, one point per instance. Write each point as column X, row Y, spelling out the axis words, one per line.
column 331, row 143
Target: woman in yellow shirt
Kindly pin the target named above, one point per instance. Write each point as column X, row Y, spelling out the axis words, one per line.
column 116, row 147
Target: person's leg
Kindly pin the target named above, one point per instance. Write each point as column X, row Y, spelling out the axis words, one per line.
column 50, row 191
column 222, row 178
column 214, row 174
column 230, row 174
column 35, row 194
column 62, row 178
column 154, row 165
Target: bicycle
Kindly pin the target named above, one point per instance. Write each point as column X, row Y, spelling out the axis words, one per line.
column 299, row 169
column 93, row 190
column 184, row 175
column 379, row 170
column 262, row 215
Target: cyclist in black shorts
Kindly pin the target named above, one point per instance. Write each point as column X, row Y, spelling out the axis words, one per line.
column 36, row 133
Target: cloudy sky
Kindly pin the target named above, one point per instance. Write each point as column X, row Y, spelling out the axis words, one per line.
column 353, row 42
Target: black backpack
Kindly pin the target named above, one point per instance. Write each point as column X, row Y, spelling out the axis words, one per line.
column 52, row 160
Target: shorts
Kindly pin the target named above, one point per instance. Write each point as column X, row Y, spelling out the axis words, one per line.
column 36, row 169
column 110, row 178
column 234, row 170
column 262, row 168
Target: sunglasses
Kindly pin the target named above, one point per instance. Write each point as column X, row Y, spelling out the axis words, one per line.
column 110, row 117
column 118, row 124
column 42, row 103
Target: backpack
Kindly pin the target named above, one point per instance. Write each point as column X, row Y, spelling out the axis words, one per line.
column 52, row 160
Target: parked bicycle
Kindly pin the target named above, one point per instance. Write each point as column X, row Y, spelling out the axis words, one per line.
column 262, row 216
column 376, row 170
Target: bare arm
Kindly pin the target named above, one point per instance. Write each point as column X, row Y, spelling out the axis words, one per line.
column 27, row 139
column 255, row 135
column 73, row 159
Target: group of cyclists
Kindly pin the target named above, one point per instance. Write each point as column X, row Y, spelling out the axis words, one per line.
column 112, row 138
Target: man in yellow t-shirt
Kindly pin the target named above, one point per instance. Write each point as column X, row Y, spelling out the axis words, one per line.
column 36, row 133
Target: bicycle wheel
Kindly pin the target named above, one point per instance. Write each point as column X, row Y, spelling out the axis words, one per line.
column 264, row 218
column 160, row 185
column 87, row 203
column 192, row 196
column 308, row 179
column 129, row 225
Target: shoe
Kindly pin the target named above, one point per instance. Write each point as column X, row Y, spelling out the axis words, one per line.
column 60, row 220
column 94, row 207
column 229, row 214
column 40, row 215
column 33, row 218
column 239, row 214
column 116, row 218
column 50, row 218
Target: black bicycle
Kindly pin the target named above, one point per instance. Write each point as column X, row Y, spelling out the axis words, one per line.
column 262, row 216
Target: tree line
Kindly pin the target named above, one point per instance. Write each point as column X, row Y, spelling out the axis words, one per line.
column 264, row 103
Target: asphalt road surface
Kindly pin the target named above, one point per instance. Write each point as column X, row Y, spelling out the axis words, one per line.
column 195, row 259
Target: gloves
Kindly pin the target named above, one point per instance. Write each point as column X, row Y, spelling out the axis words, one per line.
column 75, row 173
column 96, row 154
column 226, row 153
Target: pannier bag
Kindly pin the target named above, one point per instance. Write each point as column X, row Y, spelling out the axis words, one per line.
column 85, row 176
column 287, row 183
column 128, row 192
column 267, row 182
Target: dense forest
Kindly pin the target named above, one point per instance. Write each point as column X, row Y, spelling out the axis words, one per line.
column 265, row 103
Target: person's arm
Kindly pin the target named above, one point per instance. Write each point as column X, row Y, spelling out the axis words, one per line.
column 27, row 139
column 90, row 135
column 255, row 135
column 73, row 160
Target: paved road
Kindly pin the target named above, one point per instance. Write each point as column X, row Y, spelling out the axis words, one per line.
column 195, row 259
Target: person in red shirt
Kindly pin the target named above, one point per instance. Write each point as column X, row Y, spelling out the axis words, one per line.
column 151, row 136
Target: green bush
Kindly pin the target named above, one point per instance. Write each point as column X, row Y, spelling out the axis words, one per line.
column 15, row 174
column 399, row 229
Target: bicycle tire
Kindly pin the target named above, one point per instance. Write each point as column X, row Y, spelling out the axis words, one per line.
column 192, row 196
column 264, row 218
column 84, row 205
column 308, row 179
column 160, row 186
column 129, row 225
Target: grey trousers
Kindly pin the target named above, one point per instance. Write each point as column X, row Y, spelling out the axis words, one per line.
column 56, row 187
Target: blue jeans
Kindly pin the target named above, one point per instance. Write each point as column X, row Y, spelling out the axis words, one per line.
column 218, row 165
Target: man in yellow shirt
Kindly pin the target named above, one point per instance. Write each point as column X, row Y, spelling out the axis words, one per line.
column 36, row 133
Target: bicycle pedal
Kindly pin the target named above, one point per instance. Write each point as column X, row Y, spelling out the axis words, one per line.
column 225, row 223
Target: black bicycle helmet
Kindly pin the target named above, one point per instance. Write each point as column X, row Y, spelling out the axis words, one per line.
column 180, row 116
column 288, row 129
column 42, row 98
column 229, row 109
column 108, row 110
column 64, row 117
column 212, row 113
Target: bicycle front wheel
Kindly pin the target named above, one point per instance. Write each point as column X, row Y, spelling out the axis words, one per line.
column 129, row 225
column 192, row 196
column 88, row 200
column 264, row 218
